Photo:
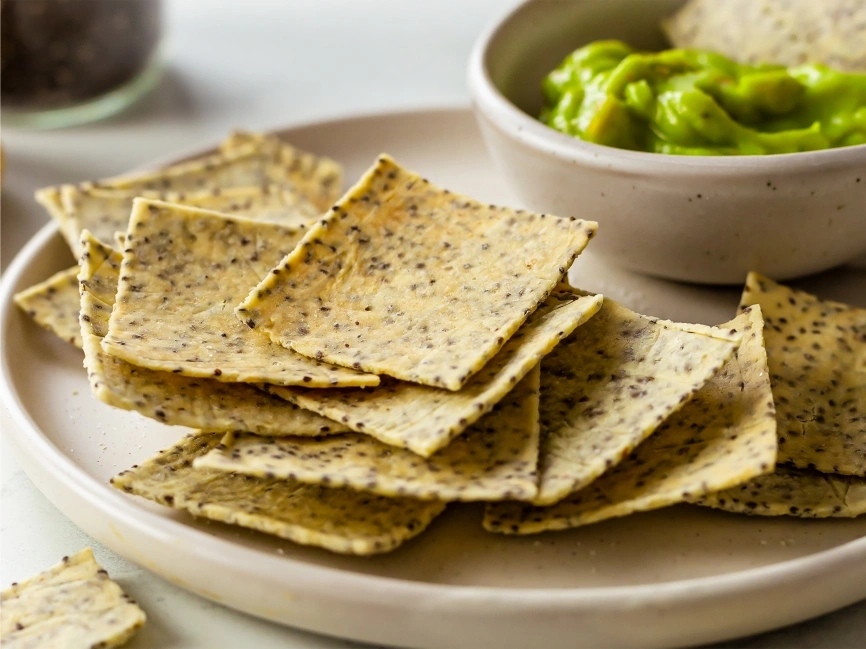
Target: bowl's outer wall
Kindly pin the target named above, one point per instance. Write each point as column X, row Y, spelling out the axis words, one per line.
column 697, row 223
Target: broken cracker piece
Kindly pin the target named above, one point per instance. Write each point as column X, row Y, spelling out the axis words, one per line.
column 73, row 604
column 53, row 305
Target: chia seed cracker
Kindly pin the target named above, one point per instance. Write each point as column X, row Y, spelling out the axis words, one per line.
column 613, row 382
column 166, row 397
column 494, row 460
column 425, row 419
column 817, row 355
column 406, row 279
column 794, row 492
column 105, row 212
column 183, row 271
column 72, row 604
column 53, row 305
column 723, row 436
column 339, row 520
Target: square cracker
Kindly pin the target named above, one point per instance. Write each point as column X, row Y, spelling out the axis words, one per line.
column 104, row 212
column 183, row 272
column 494, row 460
column 406, row 279
column 166, row 397
column 610, row 384
column 723, row 436
column 339, row 520
column 72, row 604
column 53, row 305
column 425, row 419
column 817, row 356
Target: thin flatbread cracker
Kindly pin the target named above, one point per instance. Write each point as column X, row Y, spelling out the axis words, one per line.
column 783, row 32
column 245, row 160
column 183, row 272
column 425, row 419
column 609, row 385
column 72, row 604
column 409, row 280
column 104, row 212
column 794, row 492
column 50, row 199
column 817, row 356
column 166, row 397
column 724, row 436
column 261, row 161
column 53, row 305
column 339, row 520
column 494, row 460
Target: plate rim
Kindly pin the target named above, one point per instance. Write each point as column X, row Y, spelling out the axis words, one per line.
column 36, row 446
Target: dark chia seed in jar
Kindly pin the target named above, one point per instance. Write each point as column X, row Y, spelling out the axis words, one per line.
column 56, row 54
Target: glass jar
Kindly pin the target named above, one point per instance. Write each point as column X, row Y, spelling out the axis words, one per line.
column 66, row 62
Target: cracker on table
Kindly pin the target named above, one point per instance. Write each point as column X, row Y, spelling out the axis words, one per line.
column 72, row 604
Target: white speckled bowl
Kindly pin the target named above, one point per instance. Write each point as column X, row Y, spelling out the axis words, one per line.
column 698, row 219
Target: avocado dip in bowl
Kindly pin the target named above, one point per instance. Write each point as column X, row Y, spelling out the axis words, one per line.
column 696, row 167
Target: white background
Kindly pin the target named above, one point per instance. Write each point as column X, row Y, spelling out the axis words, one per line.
column 255, row 64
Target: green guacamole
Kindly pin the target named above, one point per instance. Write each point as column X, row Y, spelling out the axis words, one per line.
column 691, row 102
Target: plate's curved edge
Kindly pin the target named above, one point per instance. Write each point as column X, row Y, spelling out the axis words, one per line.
column 319, row 580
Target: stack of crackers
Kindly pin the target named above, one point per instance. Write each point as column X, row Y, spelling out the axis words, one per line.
column 354, row 364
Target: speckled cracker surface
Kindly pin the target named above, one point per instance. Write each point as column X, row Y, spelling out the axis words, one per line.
column 494, row 460
column 246, row 162
column 609, row 385
column 409, row 280
column 339, row 520
column 104, row 212
column 50, row 199
column 724, row 435
column 785, row 32
column 817, row 356
column 425, row 419
column 261, row 160
column 794, row 492
column 53, row 305
column 184, row 270
column 166, row 397
column 73, row 604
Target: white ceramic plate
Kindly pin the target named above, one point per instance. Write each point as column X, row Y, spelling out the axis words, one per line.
column 675, row 577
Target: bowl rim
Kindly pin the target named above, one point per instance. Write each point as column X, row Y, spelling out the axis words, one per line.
column 501, row 113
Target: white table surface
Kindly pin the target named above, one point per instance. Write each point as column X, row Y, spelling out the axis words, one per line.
column 256, row 64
